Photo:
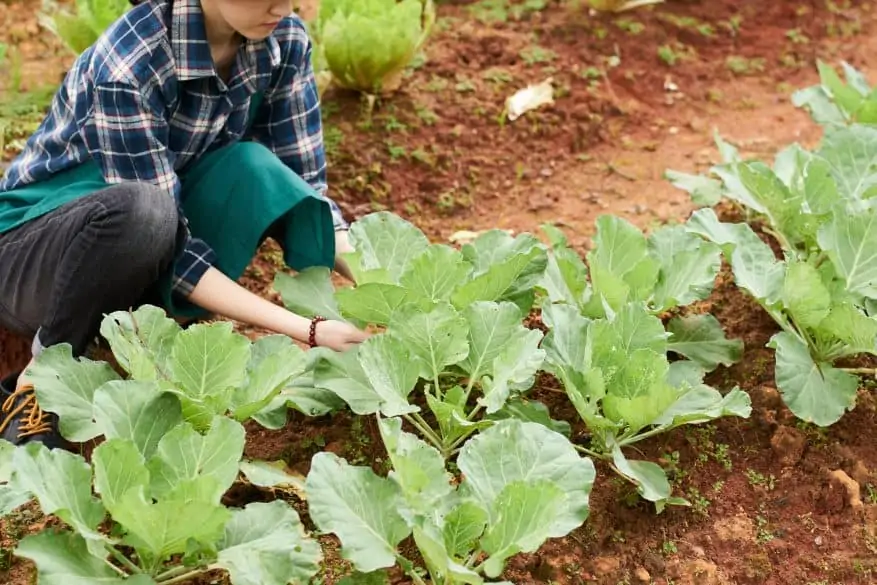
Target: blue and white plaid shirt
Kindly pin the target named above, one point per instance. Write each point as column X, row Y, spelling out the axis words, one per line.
column 145, row 101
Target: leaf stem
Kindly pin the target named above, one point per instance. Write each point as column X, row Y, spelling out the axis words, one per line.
column 183, row 577
column 587, row 451
column 474, row 412
column 121, row 573
column 172, row 572
column 117, row 554
column 421, row 425
column 642, row 436
column 861, row 371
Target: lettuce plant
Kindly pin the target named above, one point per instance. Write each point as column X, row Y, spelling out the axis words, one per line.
column 836, row 101
column 819, row 207
column 208, row 368
column 367, row 44
column 521, row 485
column 668, row 269
column 616, row 373
column 147, row 510
column 452, row 320
column 79, row 30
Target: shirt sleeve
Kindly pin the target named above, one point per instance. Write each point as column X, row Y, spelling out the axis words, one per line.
column 128, row 140
column 290, row 122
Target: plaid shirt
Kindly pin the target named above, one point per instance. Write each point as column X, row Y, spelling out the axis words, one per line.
column 145, row 101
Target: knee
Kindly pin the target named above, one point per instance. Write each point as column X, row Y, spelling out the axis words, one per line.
column 149, row 216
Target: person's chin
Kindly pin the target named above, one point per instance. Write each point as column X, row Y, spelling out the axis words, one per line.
column 260, row 32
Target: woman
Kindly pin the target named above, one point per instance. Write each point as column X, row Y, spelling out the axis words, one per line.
column 187, row 134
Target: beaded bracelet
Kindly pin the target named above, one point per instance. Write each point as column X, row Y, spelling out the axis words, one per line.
column 312, row 335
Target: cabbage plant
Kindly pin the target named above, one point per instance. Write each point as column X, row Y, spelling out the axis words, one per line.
column 78, row 30
column 367, row 44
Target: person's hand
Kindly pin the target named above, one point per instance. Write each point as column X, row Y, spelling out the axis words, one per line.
column 338, row 335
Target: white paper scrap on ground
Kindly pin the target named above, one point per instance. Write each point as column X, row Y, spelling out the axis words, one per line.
column 530, row 98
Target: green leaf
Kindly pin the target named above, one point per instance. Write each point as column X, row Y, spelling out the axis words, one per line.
column 61, row 482
column 361, row 508
column 66, row 387
column 814, row 392
column 514, row 369
column 265, row 544
column 650, row 480
column 704, row 191
column 10, row 497
column 621, row 268
column 209, row 362
column 804, row 295
column 463, row 527
column 309, row 293
column 373, row 302
column 701, row 338
column 505, row 281
column 418, row 468
column 522, row 514
column 436, row 338
column 141, row 341
column 435, row 273
column 689, row 267
column 684, row 372
column 302, row 395
column 391, row 371
column 439, row 562
column 566, row 278
column 450, row 413
column 158, row 529
column 184, row 454
column 386, row 241
column 852, row 154
column 702, row 404
column 636, row 386
column 755, row 267
column 851, row 242
column 62, row 558
column 531, row 411
column 118, row 468
column 512, row 451
column 342, row 374
column 850, row 325
column 136, row 410
column 491, row 327
column 373, row 578
column 276, row 362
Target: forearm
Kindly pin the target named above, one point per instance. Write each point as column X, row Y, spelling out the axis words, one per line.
column 217, row 293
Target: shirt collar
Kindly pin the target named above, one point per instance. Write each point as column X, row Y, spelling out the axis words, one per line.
column 192, row 51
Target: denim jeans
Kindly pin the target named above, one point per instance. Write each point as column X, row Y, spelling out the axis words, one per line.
column 62, row 272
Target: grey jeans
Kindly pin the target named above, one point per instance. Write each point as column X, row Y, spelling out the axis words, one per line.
column 62, row 272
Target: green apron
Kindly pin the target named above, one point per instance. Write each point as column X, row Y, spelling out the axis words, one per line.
column 230, row 197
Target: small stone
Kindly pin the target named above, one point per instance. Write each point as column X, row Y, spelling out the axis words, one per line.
column 735, row 529
column 788, row 445
column 642, row 575
column 817, row 541
column 698, row 551
column 605, row 566
column 839, row 483
column 702, row 572
column 546, row 172
column 766, row 397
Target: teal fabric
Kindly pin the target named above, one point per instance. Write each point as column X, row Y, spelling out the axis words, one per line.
column 230, row 196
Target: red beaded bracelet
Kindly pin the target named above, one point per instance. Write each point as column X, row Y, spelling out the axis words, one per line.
column 312, row 335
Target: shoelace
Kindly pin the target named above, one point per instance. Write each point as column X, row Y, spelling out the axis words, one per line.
column 35, row 421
